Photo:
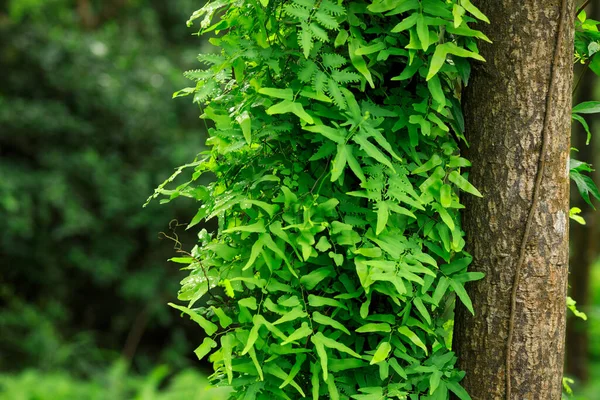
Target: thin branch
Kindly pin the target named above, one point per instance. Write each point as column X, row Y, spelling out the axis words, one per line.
column 583, row 6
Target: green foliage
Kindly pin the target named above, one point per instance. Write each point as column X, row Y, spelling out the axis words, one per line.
column 114, row 384
column 587, row 47
column 335, row 147
column 85, row 124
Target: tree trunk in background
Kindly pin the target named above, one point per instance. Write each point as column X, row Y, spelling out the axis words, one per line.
column 505, row 104
column 584, row 248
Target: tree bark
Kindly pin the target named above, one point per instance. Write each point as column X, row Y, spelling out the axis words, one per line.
column 505, row 108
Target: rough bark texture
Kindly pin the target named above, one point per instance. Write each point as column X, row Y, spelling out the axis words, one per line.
column 505, row 104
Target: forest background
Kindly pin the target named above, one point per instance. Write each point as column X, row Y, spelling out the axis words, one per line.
column 87, row 130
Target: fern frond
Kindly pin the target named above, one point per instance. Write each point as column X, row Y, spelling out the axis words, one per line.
column 336, row 94
column 204, row 90
column 294, row 11
column 305, row 3
column 327, row 20
column 333, row 60
column 223, row 75
column 319, row 32
column 307, row 71
column 345, row 76
column 305, row 40
column 198, row 74
column 319, row 82
column 327, row 149
column 211, row 59
column 332, row 8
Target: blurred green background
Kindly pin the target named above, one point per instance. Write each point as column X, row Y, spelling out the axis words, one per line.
column 87, row 130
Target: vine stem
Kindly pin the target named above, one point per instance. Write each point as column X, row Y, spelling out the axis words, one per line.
column 536, row 195
column 583, row 6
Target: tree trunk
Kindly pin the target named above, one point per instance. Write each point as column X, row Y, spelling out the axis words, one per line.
column 505, row 109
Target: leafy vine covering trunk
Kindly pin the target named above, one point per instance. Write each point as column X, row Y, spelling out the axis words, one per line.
column 505, row 107
column 335, row 151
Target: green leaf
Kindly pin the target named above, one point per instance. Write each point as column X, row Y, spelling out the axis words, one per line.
column 382, row 216
column 374, row 327
column 306, row 40
column 371, row 150
column 323, row 244
column 271, row 209
column 224, row 319
column 314, row 377
column 322, row 353
column 295, row 314
column 353, row 163
column 422, row 309
column 445, row 195
column 595, row 63
column 300, row 358
column 359, row 62
column 339, row 163
column 257, row 227
column 585, row 125
column 435, row 88
column 325, row 320
column 207, row 345
column 343, row 364
column 434, row 381
column 285, row 94
column 336, row 135
column 433, row 162
column 422, row 31
column 182, row 260
column 573, row 214
column 205, row 324
column 445, row 216
column 298, row 334
column 374, row 48
column 227, row 349
column 316, row 276
column 458, row 390
column 257, row 248
column 463, row 184
column 341, row 38
column 440, row 290
column 319, row 301
column 275, row 370
column 457, row 13
column 586, row 186
column 404, row 330
column 332, row 388
column 246, row 124
column 249, row 302
column 332, row 344
column 462, row 295
column 587, row 107
column 442, row 51
column 383, row 350
column 256, row 363
column 257, row 320
column 399, row 370
column 467, row 5
column 406, row 23
column 287, row 106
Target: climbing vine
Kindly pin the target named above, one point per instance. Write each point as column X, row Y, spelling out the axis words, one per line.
column 337, row 176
